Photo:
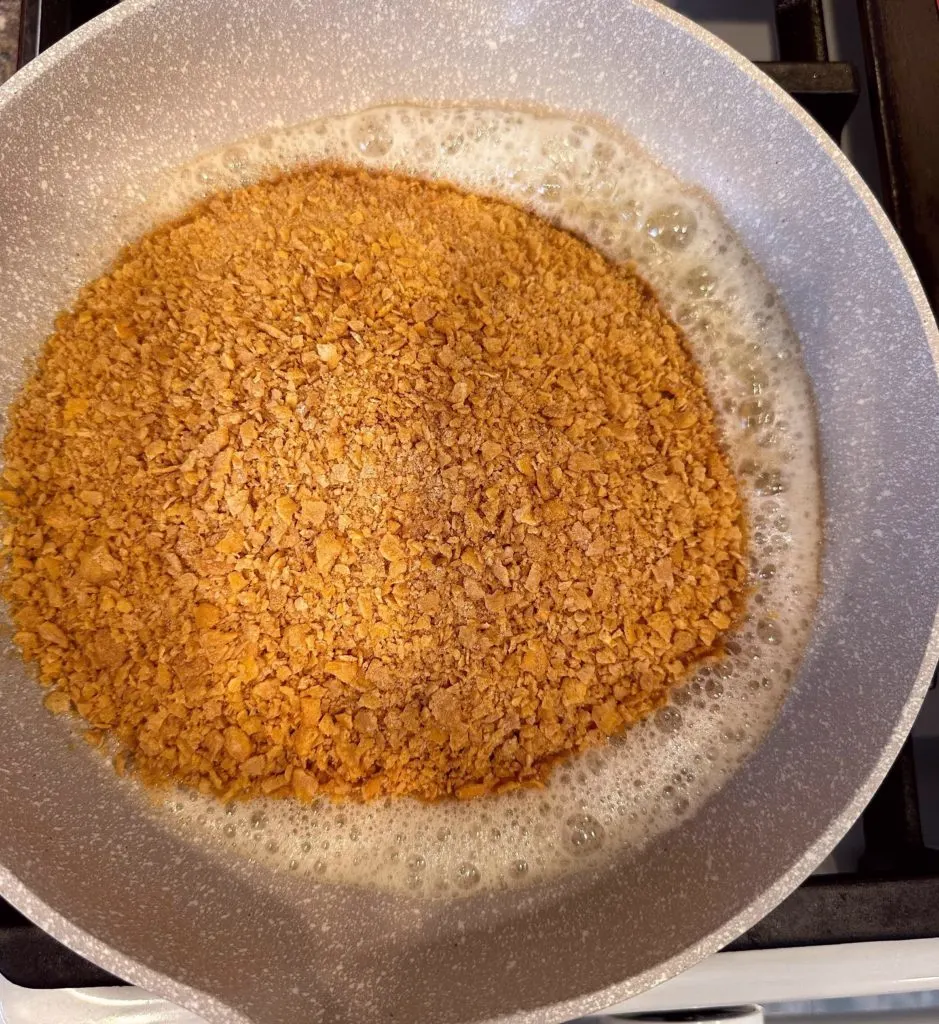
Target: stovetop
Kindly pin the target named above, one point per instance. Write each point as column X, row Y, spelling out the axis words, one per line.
column 873, row 84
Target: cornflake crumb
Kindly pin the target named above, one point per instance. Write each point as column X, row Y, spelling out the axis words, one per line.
column 352, row 484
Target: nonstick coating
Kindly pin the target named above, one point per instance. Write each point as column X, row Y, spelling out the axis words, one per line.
column 154, row 82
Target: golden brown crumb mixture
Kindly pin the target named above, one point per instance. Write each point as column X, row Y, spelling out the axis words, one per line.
column 355, row 484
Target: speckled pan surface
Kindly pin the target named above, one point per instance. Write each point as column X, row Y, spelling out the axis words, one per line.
column 156, row 81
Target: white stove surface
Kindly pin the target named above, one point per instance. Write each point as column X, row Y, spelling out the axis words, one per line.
column 725, row 979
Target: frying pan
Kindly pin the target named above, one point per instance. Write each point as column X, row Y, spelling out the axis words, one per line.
column 152, row 83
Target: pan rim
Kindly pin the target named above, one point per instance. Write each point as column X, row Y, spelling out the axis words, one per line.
column 215, row 1009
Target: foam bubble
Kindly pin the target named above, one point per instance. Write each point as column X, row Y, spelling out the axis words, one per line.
column 602, row 186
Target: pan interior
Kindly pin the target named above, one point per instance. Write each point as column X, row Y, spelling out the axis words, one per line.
column 593, row 181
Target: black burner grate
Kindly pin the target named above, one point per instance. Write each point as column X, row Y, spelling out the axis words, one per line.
column 895, row 894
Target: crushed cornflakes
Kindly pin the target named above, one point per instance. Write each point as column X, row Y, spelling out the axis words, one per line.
column 349, row 483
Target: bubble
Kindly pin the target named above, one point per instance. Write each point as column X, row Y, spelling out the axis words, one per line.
column 628, row 216
column 551, row 188
column 452, row 143
column 755, row 412
column 603, row 154
column 714, row 688
column 424, row 151
column 769, row 632
column 769, row 481
column 681, row 696
column 584, row 834
column 520, row 867
column 370, row 136
column 668, row 719
column 672, row 226
column 467, row 876
column 689, row 315
column 754, row 379
column 701, row 282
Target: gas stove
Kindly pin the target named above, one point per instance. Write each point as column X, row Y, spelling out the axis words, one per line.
column 867, row 922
